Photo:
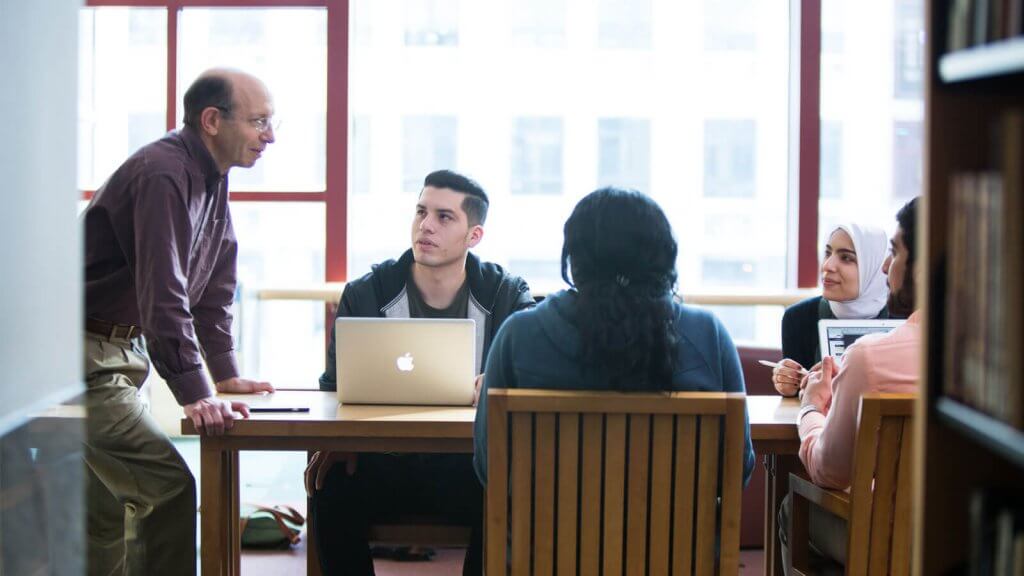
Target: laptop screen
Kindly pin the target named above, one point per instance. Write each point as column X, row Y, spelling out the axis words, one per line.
column 835, row 336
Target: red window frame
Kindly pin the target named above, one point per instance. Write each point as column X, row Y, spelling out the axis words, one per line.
column 335, row 195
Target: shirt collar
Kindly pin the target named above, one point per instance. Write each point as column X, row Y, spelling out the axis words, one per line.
column 197, row 149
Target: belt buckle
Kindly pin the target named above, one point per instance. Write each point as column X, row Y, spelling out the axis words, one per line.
column 114, row 329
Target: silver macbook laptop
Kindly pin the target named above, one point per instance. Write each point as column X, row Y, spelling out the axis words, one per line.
column 405, row 361
column 835, row 336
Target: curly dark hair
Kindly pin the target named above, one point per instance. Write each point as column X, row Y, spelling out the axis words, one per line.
column 622, row 256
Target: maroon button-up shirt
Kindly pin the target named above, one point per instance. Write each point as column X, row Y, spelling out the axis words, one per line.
column 160, row 253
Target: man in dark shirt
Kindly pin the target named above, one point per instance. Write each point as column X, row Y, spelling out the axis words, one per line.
column 160, row 276
column 437, row 278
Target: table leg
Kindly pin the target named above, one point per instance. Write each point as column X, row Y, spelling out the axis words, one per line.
column 312, row 558
column 219, row 538
column 771, row 533
column 777, row 470
column 234, row 515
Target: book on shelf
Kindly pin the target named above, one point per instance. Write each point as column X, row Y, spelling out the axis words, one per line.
column 996, row 534
column 976, row 22
column 984, row 311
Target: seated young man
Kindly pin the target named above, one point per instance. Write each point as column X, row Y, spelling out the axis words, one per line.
column 830, row 404
column 437, row 278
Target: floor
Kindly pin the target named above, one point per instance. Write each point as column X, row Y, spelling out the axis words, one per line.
column 276, row 478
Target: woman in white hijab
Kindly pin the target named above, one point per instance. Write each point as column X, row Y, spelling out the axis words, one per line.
column 853, row 287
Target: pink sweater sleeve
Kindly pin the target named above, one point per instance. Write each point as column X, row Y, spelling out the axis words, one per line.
column 827, row 442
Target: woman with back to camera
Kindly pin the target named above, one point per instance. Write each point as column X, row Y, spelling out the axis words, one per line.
column 617, row 327
column 853, row 287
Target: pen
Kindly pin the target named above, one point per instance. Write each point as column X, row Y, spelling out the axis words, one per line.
column 778, row 365
column 276, row 409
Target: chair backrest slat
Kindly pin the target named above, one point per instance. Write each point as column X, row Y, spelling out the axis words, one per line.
column 614, row 488
column 568, row 491
column 497, row 485
column 884, row 494
column 544, row 499
column 638, row 475
column 732, row 483
column 661, row 492
column 902, row 531
column 707, row 494
column 682, row 504
column 522, row 484
column 613, row 483
column 590, row 503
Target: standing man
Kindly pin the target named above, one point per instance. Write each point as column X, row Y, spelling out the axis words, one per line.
column 437, row 278
column 160, row 257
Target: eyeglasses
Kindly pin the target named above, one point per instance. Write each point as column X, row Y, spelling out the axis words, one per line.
column 262, row 124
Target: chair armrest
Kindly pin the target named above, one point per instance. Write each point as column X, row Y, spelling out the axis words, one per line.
column 835, row 501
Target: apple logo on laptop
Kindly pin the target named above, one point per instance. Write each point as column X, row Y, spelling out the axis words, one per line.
column 404, row 363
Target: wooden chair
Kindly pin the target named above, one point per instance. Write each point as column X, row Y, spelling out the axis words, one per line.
column 878, row 506
column 613, row 480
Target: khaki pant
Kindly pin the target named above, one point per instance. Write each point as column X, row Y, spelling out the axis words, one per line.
column 140, row 494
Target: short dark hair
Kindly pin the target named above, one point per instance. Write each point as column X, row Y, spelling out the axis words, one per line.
column 210, row 90
column 904, row 301
column 475, row 203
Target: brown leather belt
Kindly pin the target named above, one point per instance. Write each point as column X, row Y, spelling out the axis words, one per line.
column 112, row 331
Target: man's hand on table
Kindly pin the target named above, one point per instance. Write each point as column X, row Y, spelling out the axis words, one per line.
column 243, row 386
column 320, row 464
column 212, row 415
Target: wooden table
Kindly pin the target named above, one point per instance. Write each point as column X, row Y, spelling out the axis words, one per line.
column 328, row 426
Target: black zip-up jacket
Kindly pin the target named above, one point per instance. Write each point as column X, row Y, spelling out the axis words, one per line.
column 494, row 295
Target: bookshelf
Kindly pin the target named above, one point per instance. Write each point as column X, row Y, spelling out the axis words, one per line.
column 969, row 434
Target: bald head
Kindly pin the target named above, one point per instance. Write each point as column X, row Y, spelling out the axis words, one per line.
column 217, row 88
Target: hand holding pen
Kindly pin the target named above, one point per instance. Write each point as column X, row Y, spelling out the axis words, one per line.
column 787, row 376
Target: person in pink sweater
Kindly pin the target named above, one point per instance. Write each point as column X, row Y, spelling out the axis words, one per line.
column 830, row 403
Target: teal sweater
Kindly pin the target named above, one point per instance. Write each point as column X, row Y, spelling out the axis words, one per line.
column 540, row 348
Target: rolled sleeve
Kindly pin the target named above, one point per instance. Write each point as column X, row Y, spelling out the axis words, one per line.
column 827, row 442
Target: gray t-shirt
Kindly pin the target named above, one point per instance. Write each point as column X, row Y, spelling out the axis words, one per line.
column 418, row 308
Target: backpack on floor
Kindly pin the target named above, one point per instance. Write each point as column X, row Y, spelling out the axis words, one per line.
column 269, row 526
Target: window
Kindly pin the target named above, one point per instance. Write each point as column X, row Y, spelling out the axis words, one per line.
column 875, row 114
column 428, row 144
column 544, row 275
column 729, row 149
column 360, row 156
column 624, row 153
column 538, row 138
column 431, row 22
column 537, row 156
column 115, row 117
column 287, row 49
column 722, row 272
column 729, row 25
column 909, row 49
column 831, row 160
column 280, row 244
column 712, row 94
column 537, row 23
column 907, row 160
column 624, row 24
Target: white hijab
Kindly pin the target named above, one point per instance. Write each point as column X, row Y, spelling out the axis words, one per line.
column 871, row 245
